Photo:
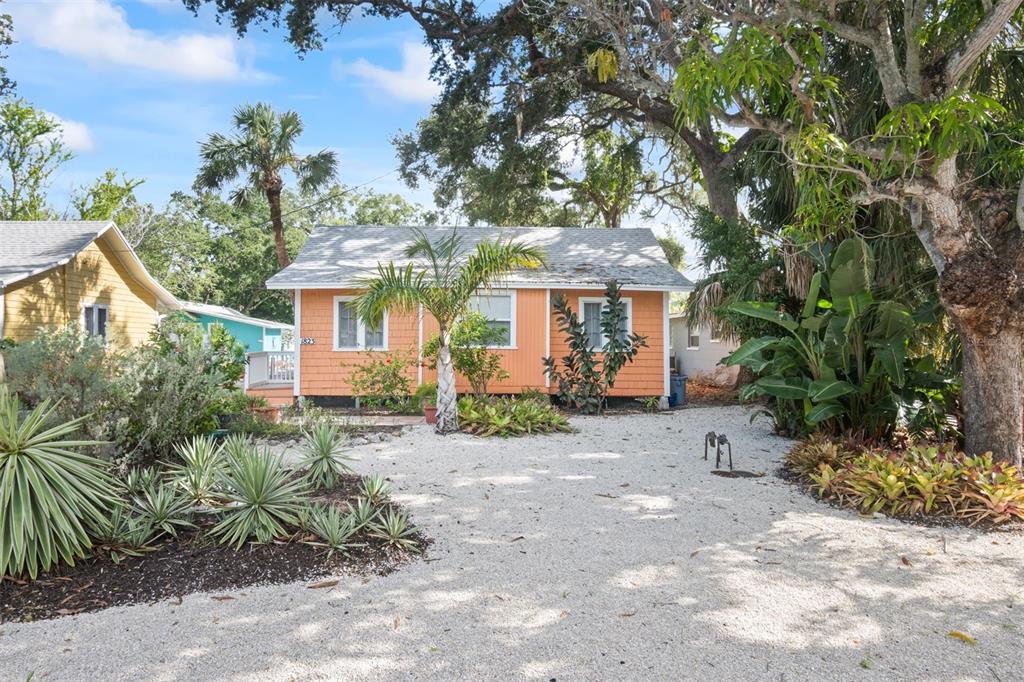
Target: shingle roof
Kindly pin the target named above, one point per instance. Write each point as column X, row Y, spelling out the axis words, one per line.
column 339, row 256
column 29, row 247
column 230, row 314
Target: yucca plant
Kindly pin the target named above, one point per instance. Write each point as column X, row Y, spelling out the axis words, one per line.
column 236, row 445
column 138, row 480
column 334, row 528
column 124, row 534
column 50, row 493
column 164, row 508
column 375, row 489
column 263, row 498
column 393, row 528
column 202, row 460
column 362, row 512
column 324, row 459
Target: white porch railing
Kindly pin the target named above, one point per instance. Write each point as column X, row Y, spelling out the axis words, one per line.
column 277, row 367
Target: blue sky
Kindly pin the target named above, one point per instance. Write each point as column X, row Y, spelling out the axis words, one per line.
column 139, row 83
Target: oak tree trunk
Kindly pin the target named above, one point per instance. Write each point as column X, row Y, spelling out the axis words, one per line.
column 993, row 394
column 721, row 190
column 447, row 398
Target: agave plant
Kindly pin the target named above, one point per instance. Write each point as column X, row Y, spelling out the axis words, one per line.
column 324, row 460
column 50, row 493
column 164, row 508
column 362, row 512
column 375, row 489
column 393, row 528
column 334, row 528
column 263, row 498
column 202, row 460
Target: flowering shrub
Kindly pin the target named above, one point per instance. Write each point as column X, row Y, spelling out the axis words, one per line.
column 918, row 481
column 382, row 382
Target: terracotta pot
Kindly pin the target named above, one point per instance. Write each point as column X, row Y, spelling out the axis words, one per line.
column 430, row 412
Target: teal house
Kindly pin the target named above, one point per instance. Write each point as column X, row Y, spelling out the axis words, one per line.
column 257, row 335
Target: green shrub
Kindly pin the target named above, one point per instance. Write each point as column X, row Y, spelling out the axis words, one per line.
column 50, row 493
column 66, row 366
column 334, row 528
column 375, row 489
column 426, row 394
column 471, row 357
column 263, row 498
column 382, row 381
column 222, row 355
column 324, row 459
column 509, row 417
column 918, row 481
column 583, row 379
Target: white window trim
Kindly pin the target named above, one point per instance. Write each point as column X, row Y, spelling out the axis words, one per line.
column 85, row 326
column 360, row 331
column 581, row 311
column 512, row 323
column 689, row 336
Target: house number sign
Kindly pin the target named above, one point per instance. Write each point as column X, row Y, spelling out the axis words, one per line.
column 308, row 341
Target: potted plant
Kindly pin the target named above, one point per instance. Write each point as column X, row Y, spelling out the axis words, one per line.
column 426, row 394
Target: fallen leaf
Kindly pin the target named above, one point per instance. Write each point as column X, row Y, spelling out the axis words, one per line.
column 397, row 621
column 563, row 614
column 322, row 584
column 518, row 538
column 906, row 561
column 68, row 612
column 223, row 597
column 624, row 485
column 963, row 637
column 630, row 614
column 694, row 553
column 610, row 497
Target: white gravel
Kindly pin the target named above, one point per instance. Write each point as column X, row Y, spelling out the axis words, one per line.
column 612, row 553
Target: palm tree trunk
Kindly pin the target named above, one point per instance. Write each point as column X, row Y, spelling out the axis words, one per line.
column 277, row 225
column 447, row 398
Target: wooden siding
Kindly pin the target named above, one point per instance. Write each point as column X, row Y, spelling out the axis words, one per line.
column 645, row 376
column 276, row 396
column 95, row 276
column 326, row 372
column 524, row 362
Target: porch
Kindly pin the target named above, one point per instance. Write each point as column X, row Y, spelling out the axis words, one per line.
column 271, row 375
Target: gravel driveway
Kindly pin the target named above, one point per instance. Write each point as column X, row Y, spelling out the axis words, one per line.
column 612, row 553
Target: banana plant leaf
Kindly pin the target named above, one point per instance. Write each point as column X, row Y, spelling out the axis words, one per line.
column 823, row 411
column 765, row 311
column 749, row 352
column 789, row 388
column 822, row 390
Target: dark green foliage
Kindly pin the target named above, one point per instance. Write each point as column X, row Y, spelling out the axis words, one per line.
column 585, row 376
column 843, row 364
column 471, row 355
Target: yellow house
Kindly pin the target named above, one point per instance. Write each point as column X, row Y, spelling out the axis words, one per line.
column 53, row 273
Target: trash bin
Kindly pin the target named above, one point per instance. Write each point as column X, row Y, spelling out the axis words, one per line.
column 677, row 390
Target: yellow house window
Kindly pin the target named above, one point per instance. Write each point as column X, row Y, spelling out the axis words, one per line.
column 94, row 320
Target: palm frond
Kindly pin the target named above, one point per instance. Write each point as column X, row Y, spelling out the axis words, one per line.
column 402, row 288
column 316, row 170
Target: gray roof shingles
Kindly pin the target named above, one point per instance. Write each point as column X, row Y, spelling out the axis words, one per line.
column 339, row 256
column 32, row 246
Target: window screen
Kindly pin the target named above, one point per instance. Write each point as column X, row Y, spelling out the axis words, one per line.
column 348, row 325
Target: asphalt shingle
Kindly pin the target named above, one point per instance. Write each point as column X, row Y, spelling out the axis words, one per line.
column 27, row 247
column 340, row 256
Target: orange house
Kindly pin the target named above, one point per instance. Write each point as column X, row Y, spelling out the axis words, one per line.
column 331, row 342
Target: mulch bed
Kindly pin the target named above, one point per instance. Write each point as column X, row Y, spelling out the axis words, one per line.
column 705, row 395
column 191, row 563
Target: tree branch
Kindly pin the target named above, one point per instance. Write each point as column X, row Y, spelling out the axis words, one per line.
column 965, row 58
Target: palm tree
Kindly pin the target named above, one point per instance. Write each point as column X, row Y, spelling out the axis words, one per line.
column 442, row 276
column 262, row 148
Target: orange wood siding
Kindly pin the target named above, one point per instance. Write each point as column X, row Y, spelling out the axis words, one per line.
column 325, row 371
column 278, row 396
column 645, row 376
column 523, row 363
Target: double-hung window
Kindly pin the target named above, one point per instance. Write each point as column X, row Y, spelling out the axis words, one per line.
column 94, row 320
column 350, row 333
column 693, row 338
column 590, row 315
column 499, row 307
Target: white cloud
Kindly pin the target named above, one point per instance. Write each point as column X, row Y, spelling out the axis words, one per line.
column 410, row 83
column 76, row 135
column 98, row 32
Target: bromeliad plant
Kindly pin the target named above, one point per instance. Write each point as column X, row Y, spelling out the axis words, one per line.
column 510, row 416
column 844, row 364
column 583, row 379
column 50, row 493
